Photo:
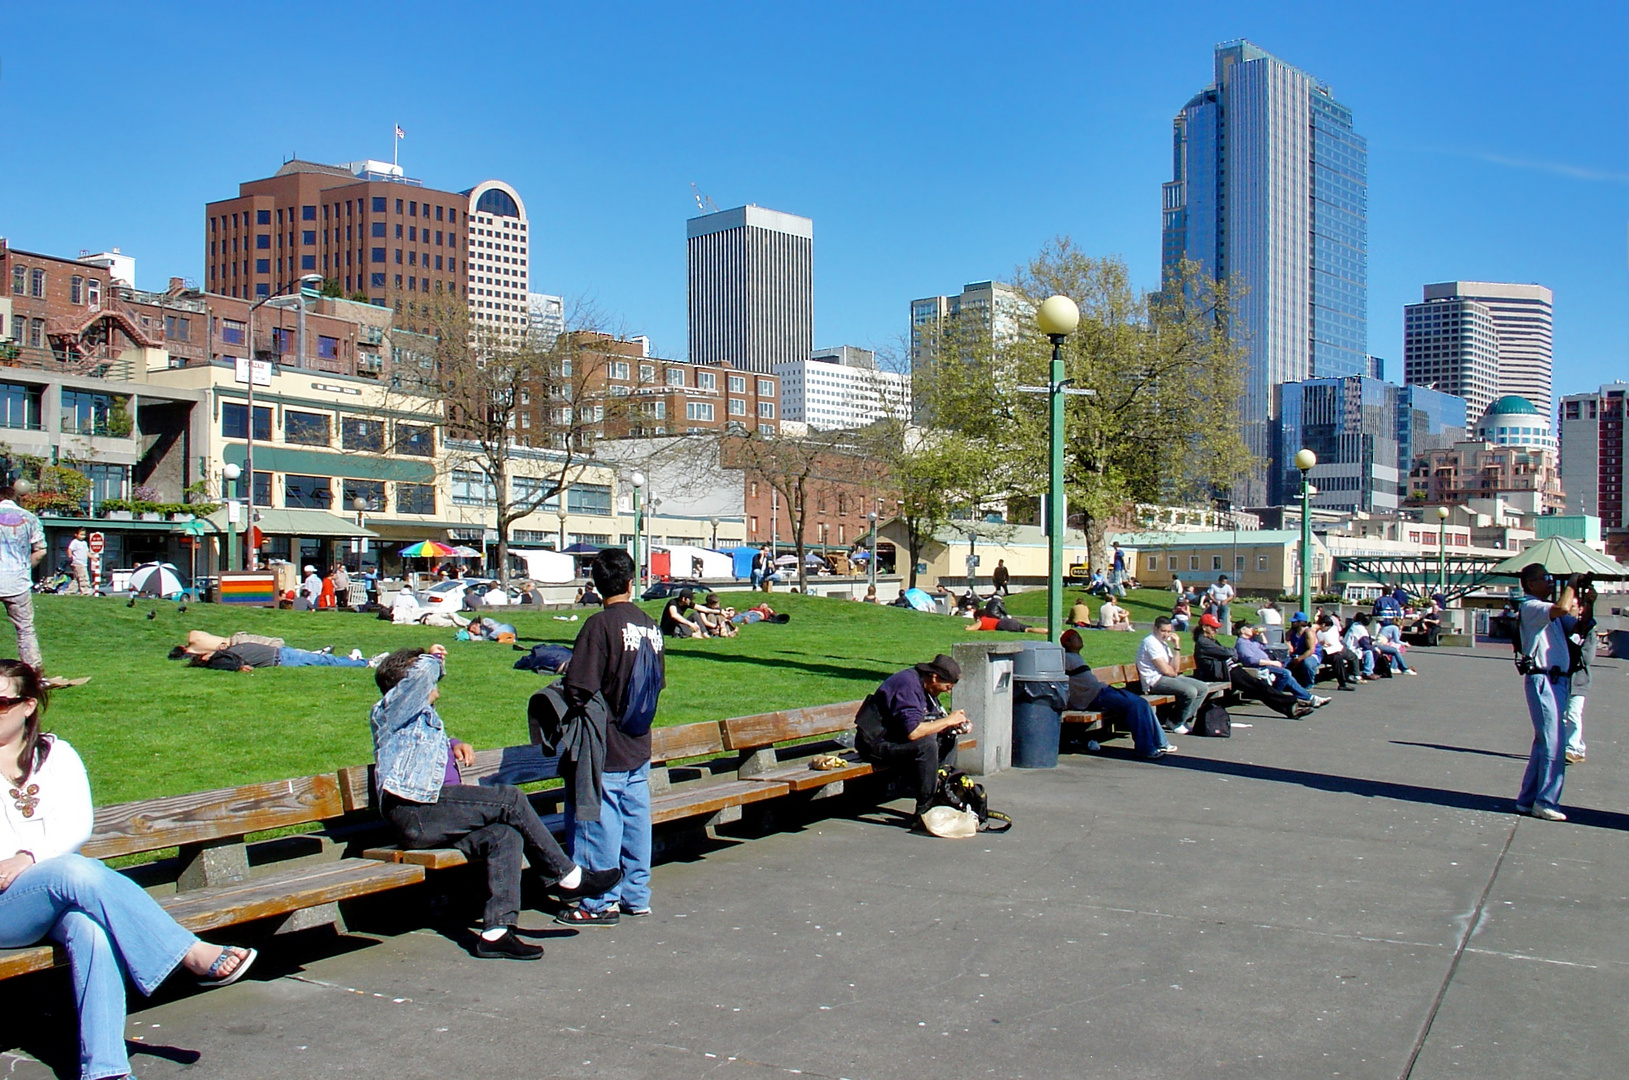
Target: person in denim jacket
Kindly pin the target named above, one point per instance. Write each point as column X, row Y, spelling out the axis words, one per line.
column 421, row 795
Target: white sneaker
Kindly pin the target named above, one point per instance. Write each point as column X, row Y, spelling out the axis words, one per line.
column 1181, row 729
column 1319, row 702
column 375, row 661
column 356, row 654
column 1544, row 813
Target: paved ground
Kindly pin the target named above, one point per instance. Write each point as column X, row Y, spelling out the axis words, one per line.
column 1345, row 896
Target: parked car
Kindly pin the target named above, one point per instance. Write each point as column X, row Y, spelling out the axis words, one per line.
column 449, row 595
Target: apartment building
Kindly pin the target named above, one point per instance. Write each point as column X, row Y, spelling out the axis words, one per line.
column 1475, row 469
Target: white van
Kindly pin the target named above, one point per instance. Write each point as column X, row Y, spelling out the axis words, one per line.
column 542, row 565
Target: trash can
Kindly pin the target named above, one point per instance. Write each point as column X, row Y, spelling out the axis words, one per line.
column 1040, row 691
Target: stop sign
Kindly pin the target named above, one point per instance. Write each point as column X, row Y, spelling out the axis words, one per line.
column 96, row 542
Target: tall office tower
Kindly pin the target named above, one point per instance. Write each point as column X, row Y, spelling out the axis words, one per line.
column 1593, row 465
column 1351, row 424
column 364, row 226
column 1522, row 316
column 1269, row 192
column 993, row 309
column 1451, row 344
column 751, row 288
column 548, row 317
column 842, row 388
column 498, row 244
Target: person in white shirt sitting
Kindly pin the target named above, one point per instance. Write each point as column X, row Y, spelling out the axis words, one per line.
column 1334, row 650
column 105, row 922
column 1157, row 671
column 1112, row 616
column 1269, row 614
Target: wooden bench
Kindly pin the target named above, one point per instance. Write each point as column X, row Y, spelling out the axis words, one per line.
column 678, row 791
column 1125, row 677
column 221, row 880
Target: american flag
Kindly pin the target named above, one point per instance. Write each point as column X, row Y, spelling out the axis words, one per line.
column 400, row 134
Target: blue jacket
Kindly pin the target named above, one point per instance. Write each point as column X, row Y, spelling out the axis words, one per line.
column 409, row 740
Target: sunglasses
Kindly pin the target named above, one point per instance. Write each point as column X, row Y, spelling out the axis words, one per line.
column 12, row 702
column 26, row 799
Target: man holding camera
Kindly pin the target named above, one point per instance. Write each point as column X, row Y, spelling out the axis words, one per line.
column 1544, row 662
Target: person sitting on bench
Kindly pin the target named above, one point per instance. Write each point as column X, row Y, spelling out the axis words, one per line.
column 902, row 724
column 1215, row 662
column 1157, row 671
column 420, row 795
column 1254, row 658
column 1120, row 708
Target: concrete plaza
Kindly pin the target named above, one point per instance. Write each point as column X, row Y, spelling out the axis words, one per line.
column 1346, row 896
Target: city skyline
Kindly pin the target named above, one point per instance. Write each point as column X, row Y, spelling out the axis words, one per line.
column 1518, row 188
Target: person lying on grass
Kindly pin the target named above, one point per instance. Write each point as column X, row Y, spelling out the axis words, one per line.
column 245, row 652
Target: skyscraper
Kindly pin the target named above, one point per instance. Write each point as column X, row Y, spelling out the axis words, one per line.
column 992, row 309
column 1522, row 317
column 751, row 288
column 1269, row 192
column 1594, row 466
column 1450, row 344
column 497, row 258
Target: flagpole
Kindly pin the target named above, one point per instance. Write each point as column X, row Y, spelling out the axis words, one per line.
column 395, row 144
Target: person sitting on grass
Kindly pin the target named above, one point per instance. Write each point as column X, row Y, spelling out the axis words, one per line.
column 1120, row 708
column 714, row 618
column 675, row 620
column 1269, row 614
column 1112, row 616
column 1181, row 615
column 903, row 725
column 1080, row 615
column 1254, row 658
column 106, row 923
column 421, row 795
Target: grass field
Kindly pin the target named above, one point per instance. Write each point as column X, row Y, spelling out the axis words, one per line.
column 148, row 726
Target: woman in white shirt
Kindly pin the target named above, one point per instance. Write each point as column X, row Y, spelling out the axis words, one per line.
column 106, row 923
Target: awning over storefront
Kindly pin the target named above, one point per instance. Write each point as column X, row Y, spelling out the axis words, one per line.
column 311, row 524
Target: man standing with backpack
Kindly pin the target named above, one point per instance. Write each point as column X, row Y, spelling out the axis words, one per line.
column 618, row 657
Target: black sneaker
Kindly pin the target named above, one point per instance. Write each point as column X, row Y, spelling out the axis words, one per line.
column 508, row 947
column 594, row 883
column 573, row 916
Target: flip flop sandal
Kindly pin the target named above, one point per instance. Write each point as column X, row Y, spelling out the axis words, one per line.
column 213, row 978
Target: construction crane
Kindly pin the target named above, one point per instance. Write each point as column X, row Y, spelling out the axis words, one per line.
column 703, row 203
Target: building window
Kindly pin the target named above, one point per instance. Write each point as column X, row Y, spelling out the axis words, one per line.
column 377, row 255
column 675, row 376
column 308, row 262
column 766, row 429
column 378, row 229
column 20, row 406
column 177, row 328
column 263, row 241
column 282, row 340
column 327, row 347
column 766, row 410
column 308, row 237
column 85, row 413
column 766, row 388
column 1215, row 562
column 36, row 283
column 589, row 499
column 76, row 290
column 617, row 369
column 234, row 422
column 262, row 217
column 371, row 492
column 262, row 266
column 738, row 384
column 698, row 410
column 308, row 213
column 233, row 332
column 706, row 380
column 471, row 489
column 377, row 280
column 738, row 406
column 415, row 439
column 19, row 280
column 307, row 429
column 415, row 498
column 307, row 492
column 357, row 433
column 1193, row 562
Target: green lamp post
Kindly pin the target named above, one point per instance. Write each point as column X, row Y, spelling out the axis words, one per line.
column 1058, row 316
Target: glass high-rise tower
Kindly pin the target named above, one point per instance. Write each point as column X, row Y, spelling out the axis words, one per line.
column 1269, row 192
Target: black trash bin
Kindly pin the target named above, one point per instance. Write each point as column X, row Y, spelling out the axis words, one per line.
column 1040, row 691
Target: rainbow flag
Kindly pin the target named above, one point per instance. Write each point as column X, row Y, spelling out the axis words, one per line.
column 249, row 588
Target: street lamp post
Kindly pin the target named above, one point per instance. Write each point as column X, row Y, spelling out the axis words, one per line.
column 561, row 514
column 638, row 479
column 871, row 560
column 1058, row 316
column 249, row 432
column 1442, row 550
column 361, row 506
column 1305, row 460
column 714, row 522
column 229, row 477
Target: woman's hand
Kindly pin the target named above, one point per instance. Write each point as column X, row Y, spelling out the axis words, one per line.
column 10, row 868
column 464, row 754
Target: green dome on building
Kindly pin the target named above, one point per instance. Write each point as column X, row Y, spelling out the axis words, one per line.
column 1513, row 405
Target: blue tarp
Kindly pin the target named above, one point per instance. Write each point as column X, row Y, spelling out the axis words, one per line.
column 742, row 557
column 920, row 600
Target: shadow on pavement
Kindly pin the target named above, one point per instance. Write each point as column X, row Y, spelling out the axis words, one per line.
column 1460, row 749
column 1385, row 789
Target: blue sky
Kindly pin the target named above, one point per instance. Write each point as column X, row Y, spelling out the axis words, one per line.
column 932, row 144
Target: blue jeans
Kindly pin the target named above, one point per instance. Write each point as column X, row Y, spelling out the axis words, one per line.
column 109, row 927
column 1393, row 653
column 621, row 837
column 1390, row 633
column 1572, row 724
column 1123, row 707
column 1280, row 679
column 287, row 657
column 1546, row 765
column 1366, row 661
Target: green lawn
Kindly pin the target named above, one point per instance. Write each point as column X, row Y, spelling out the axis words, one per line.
column 147, row 726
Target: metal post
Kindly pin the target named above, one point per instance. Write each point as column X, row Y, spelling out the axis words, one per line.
column 871, row 563
column 638, row 532
column 1306, row 544
column 1442, row 556
column 231, row 537
column 1054, row 509
column 248, row 479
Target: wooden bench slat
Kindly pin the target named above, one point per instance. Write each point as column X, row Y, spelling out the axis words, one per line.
column 201, row 910
column 710, row 798
column 22, row 961
column 797, row 776
column 129, row 828
column 766, row 729
column 686, row 740
column 1082, row 717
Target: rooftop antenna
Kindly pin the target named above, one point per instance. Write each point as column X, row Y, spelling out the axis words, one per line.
column 703, row 203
